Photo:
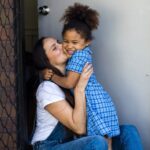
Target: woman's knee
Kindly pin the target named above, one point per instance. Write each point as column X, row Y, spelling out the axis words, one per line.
column 130, row 133
column 130, row 136
column 99, row 143
column 129, row 129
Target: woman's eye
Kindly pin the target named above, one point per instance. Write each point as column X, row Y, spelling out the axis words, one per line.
column 54, row 49
column 58, row 41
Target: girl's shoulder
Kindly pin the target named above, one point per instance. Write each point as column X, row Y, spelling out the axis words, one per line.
column 84, row 52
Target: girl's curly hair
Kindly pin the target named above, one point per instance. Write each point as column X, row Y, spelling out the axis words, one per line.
column 82, row 13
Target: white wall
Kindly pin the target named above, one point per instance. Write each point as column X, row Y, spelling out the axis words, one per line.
column 122, row 60
column 121, row 55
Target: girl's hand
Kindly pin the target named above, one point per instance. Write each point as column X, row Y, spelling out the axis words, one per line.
column 84, row 77
column 47, row 74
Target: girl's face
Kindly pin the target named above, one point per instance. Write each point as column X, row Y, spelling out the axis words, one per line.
column 54, row 52
column 72, row 41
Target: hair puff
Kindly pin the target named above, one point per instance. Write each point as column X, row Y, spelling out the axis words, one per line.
column 81, row 13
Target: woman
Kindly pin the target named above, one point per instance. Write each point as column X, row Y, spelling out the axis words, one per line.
column 59, row 118
column 54, row 112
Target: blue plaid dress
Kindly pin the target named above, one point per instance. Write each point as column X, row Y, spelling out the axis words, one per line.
column 101, row 114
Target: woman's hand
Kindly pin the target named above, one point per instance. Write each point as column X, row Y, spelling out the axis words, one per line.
column 84, row 77
column 74, row 118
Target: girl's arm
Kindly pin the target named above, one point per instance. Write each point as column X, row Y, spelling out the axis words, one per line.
column 73, row 118
column 68, row 81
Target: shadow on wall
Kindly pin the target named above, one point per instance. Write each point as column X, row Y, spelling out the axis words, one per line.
column 31, row 85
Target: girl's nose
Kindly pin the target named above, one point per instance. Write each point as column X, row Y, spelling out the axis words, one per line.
column 69, row 46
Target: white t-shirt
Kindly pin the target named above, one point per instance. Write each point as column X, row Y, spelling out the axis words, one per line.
column 47, row 93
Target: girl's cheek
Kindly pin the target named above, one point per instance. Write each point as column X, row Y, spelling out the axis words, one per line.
column 64, row 45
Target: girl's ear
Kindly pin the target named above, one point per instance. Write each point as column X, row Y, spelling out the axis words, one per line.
column 88, row 42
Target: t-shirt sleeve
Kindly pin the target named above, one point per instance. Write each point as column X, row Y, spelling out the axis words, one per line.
column 77, row 62
column 48, row 93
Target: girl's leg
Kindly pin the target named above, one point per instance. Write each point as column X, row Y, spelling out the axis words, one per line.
column 129, row 139
column 109, row 143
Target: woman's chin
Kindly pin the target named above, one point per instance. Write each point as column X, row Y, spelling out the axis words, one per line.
column 68, row 55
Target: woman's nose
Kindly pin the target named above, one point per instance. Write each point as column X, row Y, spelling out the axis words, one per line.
column 59, row 44
column 60, row 47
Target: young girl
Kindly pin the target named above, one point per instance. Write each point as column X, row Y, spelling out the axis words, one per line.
column 79, row 22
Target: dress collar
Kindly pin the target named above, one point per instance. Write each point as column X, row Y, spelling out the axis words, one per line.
column 88, row 49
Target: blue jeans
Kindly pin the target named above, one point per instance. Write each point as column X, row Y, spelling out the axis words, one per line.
column 129, row 139
column 63, row 139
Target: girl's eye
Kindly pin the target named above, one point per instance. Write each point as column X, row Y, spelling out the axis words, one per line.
column 75, row 42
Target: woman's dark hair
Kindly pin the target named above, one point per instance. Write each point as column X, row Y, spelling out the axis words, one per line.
column 41, row 62
column 81, row 18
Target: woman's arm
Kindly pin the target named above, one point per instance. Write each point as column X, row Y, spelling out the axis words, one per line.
column 73, row 118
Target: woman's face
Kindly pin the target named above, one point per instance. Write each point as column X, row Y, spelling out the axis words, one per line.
column 54, row 52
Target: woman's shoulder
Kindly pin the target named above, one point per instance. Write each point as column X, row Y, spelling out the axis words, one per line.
column 49, row 92
column 46, row 83
column 49, row 87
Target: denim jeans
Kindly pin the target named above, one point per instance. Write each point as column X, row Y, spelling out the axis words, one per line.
column 129, row 139
column 63, row 139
